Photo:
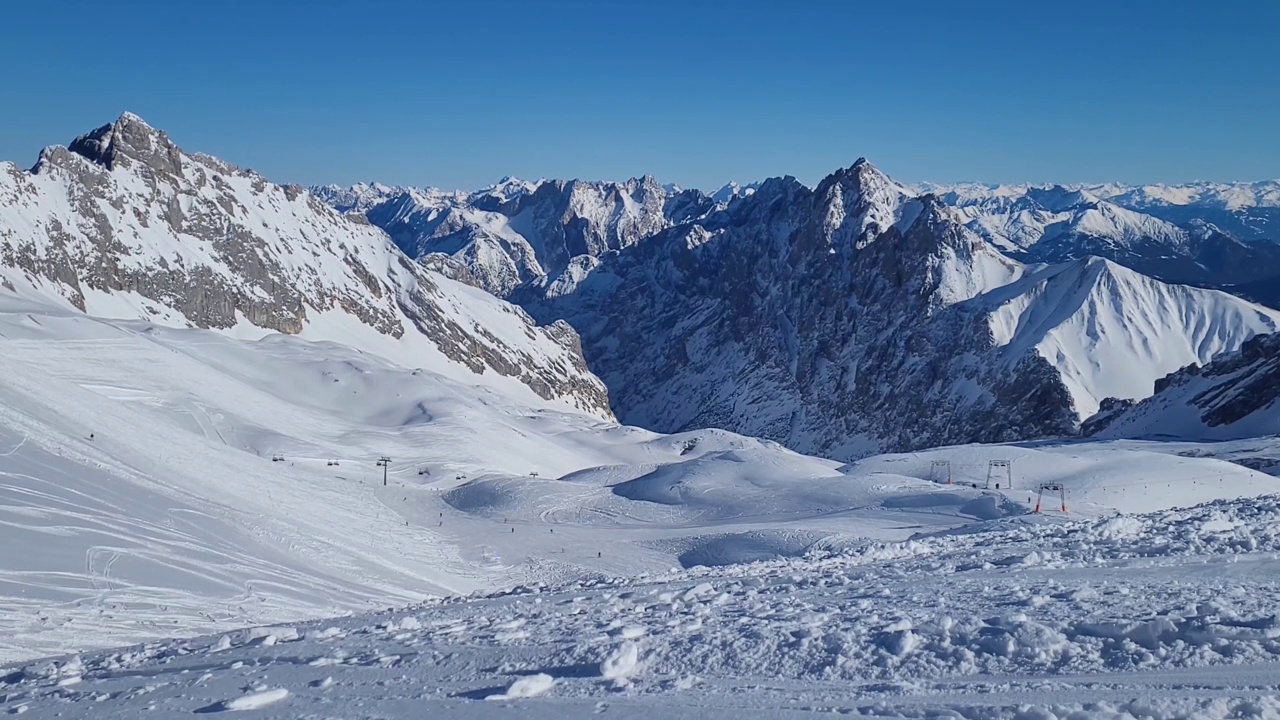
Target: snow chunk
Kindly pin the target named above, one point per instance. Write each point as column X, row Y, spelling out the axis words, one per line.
column 256, row 701
column 526, row 687
column 621, row 663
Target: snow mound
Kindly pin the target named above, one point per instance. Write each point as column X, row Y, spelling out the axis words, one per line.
column 256, row 701
column 526, row 687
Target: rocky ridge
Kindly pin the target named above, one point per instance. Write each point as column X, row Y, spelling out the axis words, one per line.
column 123, row 223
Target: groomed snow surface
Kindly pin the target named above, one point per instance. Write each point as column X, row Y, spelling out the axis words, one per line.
column 701, row 575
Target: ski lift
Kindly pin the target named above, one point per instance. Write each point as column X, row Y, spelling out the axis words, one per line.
column 1052, row 488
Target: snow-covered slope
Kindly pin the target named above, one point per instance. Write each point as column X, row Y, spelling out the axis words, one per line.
column 137, row 470
column 1237, row 395
column 1110, row 331
column 123, row 224
column 1165, row 616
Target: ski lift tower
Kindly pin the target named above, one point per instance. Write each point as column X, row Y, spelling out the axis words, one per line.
column 383, row 462
column 995, row 469
column 1052, row 487
column 943, row 466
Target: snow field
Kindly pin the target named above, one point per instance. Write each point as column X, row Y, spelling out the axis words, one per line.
column 174, row 519
column 1099, row 477
column 1169, row 614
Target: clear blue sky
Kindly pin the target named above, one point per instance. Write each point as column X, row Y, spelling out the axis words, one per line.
column 457, row 94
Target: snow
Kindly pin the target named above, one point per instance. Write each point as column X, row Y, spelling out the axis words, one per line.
column 1112, row 332
column 1163, row 615
column 1232, row 398
column 201, row 525
column 1100, row 477
column 174, row 519
column 255, row 701
column 622, row 662
column 526, row 687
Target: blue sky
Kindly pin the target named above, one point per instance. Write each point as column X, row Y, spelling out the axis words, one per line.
column 459, row 94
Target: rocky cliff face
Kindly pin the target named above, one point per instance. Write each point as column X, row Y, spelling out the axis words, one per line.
column 1237, row 395
column 830, row 320
column 518, row 232
column 841, row 320
column 123, row 223
column 856, row 317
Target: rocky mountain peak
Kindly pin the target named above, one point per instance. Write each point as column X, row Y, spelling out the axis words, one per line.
column 129, row 138
column 862, row 204
column 1059, row 198
column 125, row 225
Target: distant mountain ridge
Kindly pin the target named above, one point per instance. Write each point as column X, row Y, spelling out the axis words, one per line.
column 1246, row 210
column 517, row 231
column 1053, row 224
column 1217, row 235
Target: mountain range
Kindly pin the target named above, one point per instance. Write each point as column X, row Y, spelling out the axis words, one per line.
column 1247, row 210
column 1178, row 243
column 857, row 316
column 1215, row 235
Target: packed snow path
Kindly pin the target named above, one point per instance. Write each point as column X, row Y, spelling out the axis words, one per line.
column 1161, row 616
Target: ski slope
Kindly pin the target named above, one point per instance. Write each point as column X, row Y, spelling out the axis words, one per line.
column 1159, row 616
column 136, row 477
column 137, row 465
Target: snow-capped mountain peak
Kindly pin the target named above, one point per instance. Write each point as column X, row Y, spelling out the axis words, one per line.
column 124, row 224
column 510, row 187
column 1059, row 198
column 129, row 138
column 863, row 203
column 732, row 190
column 1106, row 327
